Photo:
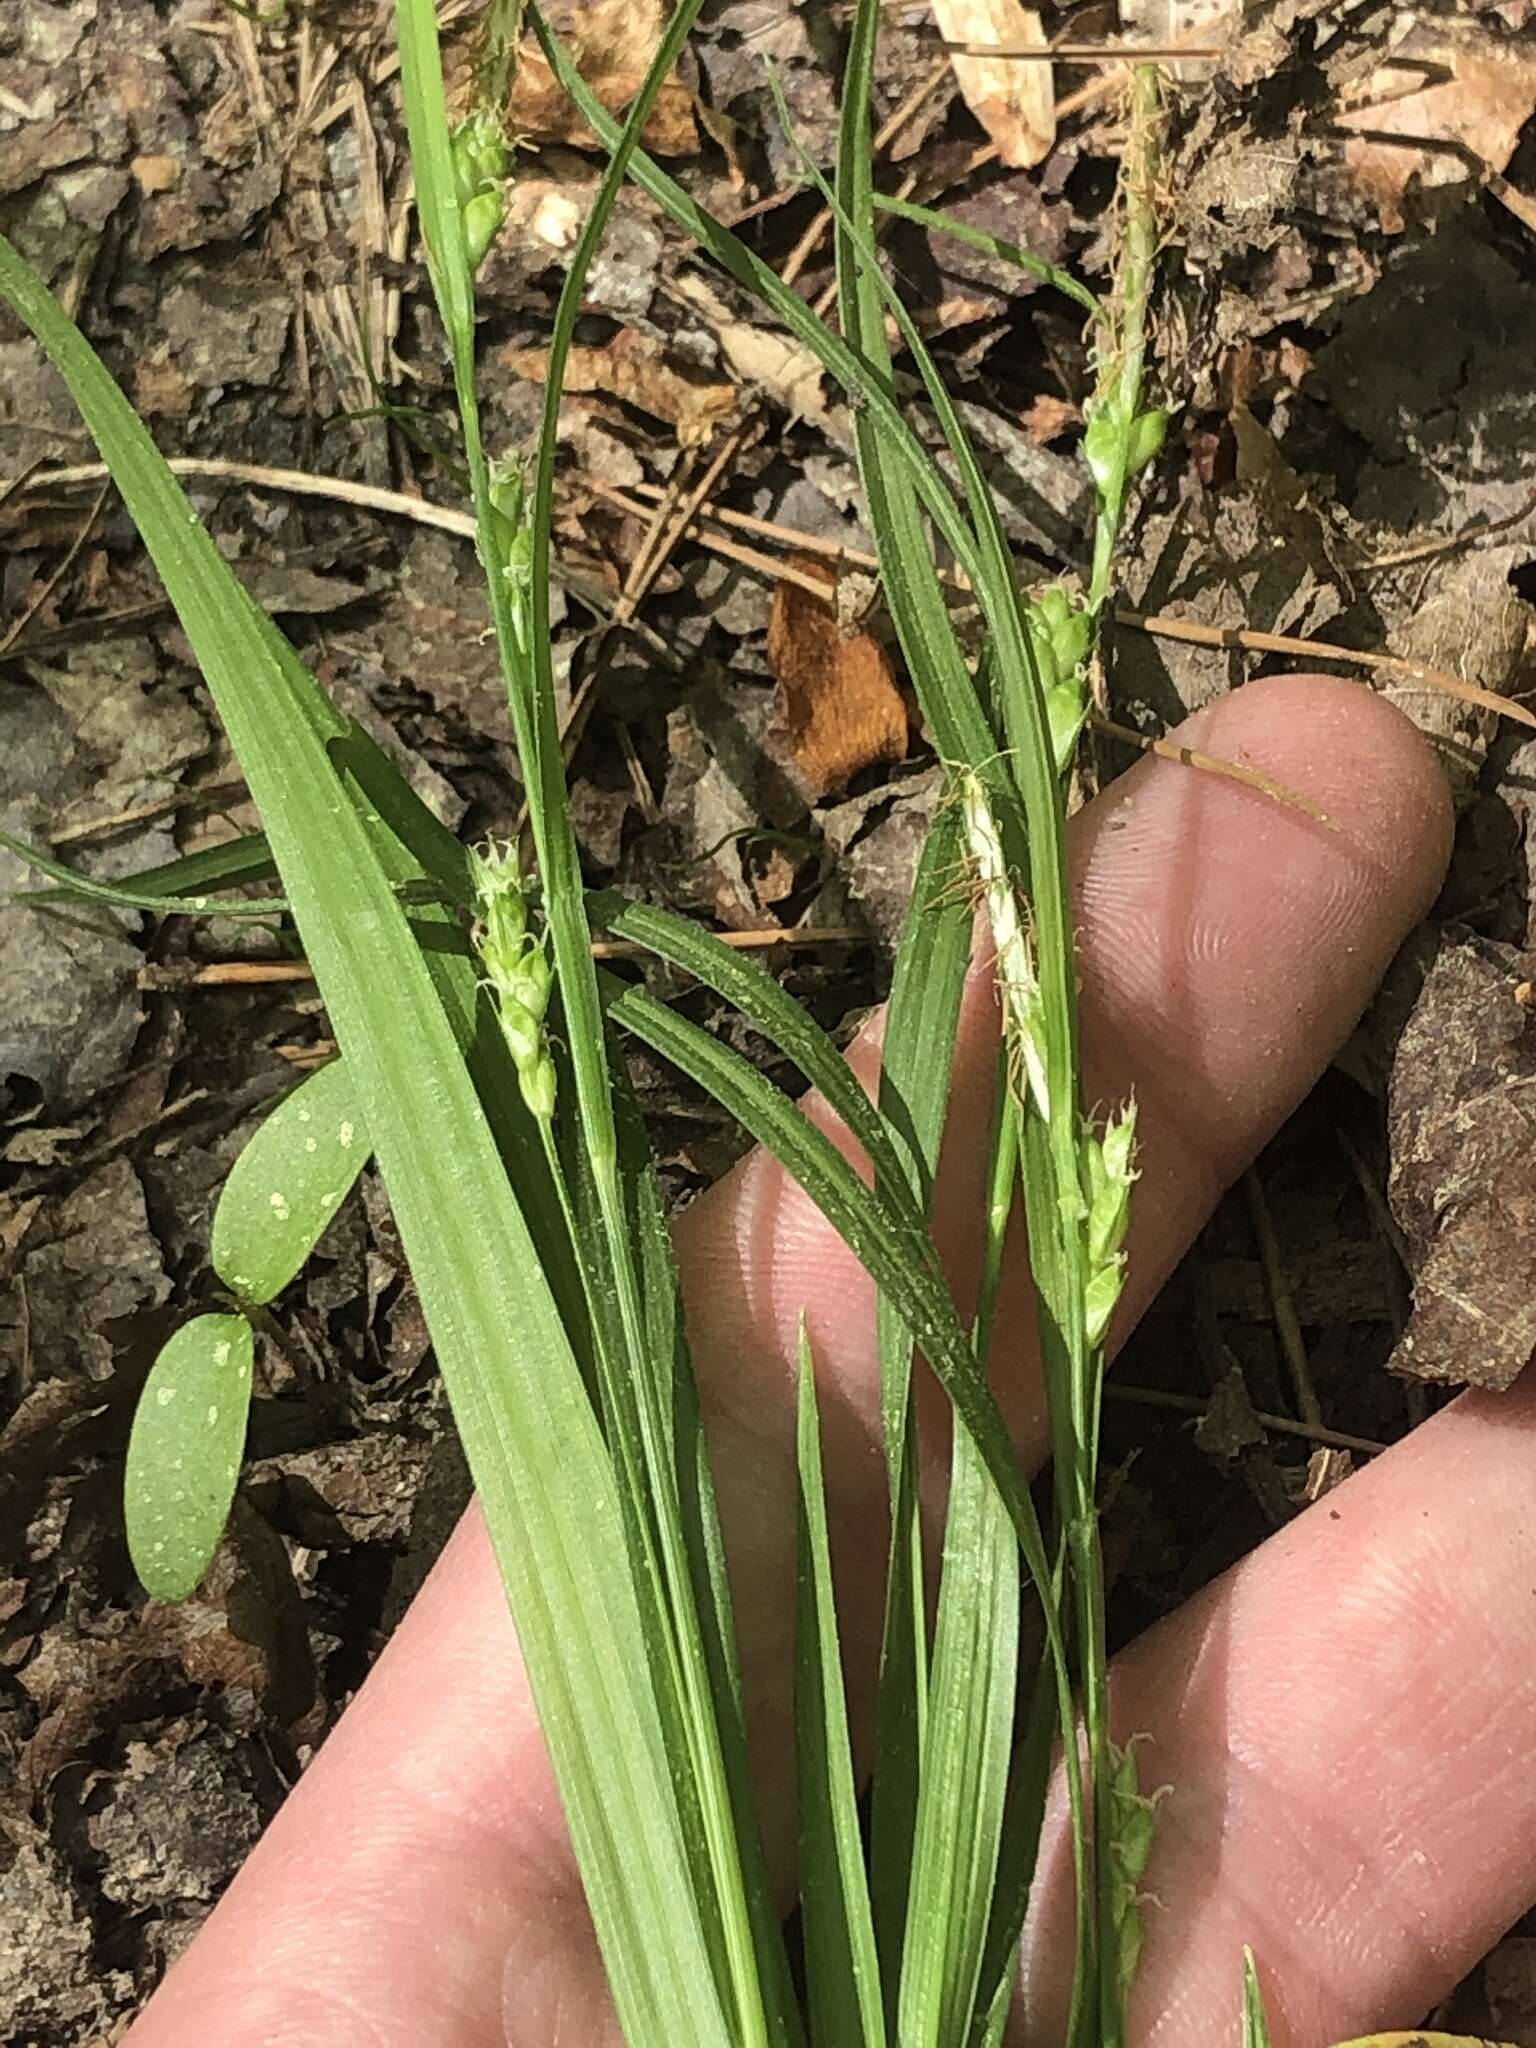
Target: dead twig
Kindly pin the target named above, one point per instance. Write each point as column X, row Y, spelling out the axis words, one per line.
column 270, row 973
column 1281, row 1301
column 1091, row 53
column 51, row 583
column 1213, row 764
column 1246, row 640
column 1282, row 1425
column 302, row 483
column 1446, row 544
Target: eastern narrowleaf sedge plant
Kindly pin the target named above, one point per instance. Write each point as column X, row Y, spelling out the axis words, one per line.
column 481, row 1062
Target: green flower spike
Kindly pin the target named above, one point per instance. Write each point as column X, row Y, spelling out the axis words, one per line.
column 480, row 162
column 1108, row 1171
column 517, row 972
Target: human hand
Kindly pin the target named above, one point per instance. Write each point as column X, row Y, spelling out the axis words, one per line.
column 1345, row 1721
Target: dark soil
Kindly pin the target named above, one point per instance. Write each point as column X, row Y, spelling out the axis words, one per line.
column 221, row 201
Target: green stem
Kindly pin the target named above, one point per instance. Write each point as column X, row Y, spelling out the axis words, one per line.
column 522, row 631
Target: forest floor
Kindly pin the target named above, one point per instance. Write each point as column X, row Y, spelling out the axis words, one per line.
column 1345, row 301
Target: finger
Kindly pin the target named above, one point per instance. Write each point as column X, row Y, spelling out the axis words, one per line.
column 434, row 1788
column 1346, row 1725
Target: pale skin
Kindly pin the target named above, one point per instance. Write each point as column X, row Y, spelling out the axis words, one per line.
column 1347, row 1721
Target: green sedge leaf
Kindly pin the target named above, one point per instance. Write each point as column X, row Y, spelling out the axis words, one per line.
column 917, row 1062
column 989, row 245
column 138, row 892
column 638, row 1386
column 1023, row 786
column 184, row 1452
column 749, row 1928
column 1033, row 1758
column 841, row 1961
column 288, row 1183
column 965, row 1762
column 778, row 1016
column 872, row 392
column 227, row 866
column 1255, row 2018
column 968, row 1748
column 1024, row 790
column 917, row 1055
column 883, row 1239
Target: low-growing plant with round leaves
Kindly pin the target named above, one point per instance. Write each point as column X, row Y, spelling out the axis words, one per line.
column 184, row 1452
column 188, row 1432
column 298, row 1167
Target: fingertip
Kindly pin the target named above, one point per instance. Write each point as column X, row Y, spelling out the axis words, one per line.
column 1360, row 759
column 1232, row 934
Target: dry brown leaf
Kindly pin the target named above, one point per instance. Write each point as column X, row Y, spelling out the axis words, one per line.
column 842, row 706
column 634, row 369
column 1467, row 116
column 612, row 42
column 1014, row 97
column 1047, row 416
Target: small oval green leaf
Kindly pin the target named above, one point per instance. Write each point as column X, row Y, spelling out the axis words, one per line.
column 184, row 1452
column 287, row 1185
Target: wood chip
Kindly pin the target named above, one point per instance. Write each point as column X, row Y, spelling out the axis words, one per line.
column 842, row 706
column 1012, row 96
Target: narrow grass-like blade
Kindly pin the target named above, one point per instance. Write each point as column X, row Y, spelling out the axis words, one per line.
column 1027, row 775
column 522, row 1409
column 883, row 1240
column 187, row 877
column 1255, row 2018
column 859, row 376
column 938, row 223
column 184, row 1452
column 778, row 1016
column 967, row 1753
column 1019, row 1849
column 139, row 892
column 1025, row 797
column 740, row 1921
column 917, row 1061
column 893, row 479
column 842, row 1965
column 288, row 1183
column 706, row 1553
column 965, row 1761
